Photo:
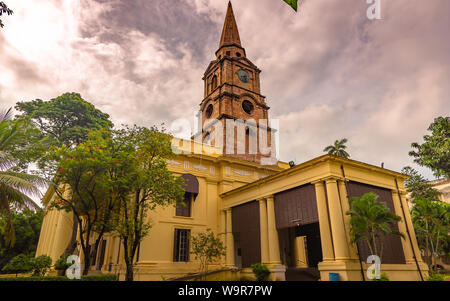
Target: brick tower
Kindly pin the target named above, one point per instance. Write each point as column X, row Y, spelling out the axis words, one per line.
column 233, row 94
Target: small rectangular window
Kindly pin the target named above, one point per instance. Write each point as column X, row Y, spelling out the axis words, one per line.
column 181, row 245
column 184, row 209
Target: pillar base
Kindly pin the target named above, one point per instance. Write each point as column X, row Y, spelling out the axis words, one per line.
column 349, row 270
column 277, row 272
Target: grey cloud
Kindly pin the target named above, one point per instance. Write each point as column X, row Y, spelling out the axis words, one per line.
column 328, row 72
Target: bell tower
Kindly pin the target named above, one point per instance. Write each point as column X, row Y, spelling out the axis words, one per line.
column 232, row 92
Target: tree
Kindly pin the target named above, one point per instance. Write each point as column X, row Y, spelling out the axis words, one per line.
column 15, row 187
column 206, row 248
column 64, row 120
column 338, row 149
column 370, row 221
column 40, row 265
column 82, row 187
column 27, row 226
column 19, row 264
column 434, row 153
column 141, row 182
column 418, row 186
column 4, row 10
column 431, row 221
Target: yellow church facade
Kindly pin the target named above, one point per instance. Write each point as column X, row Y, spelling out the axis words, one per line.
column 290, row 218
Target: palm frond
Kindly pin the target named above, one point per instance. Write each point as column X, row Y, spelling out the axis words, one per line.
column 25, row 183
column 16, row 199
column 6, row 161
column 5, row 115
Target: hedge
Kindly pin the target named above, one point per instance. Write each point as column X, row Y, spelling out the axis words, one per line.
column 101, row 277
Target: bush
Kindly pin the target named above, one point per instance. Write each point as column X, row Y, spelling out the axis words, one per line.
column 101, row 277
column 383, row 277
column 41, row 265
column 61, row 264
column 436, row 277
column 19, row 264
column 261, row 271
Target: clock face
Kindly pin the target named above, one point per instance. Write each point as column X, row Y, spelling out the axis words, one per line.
column 243, row 76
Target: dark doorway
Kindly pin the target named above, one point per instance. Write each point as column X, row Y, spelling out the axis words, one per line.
column 313, row 243
column 246, row 231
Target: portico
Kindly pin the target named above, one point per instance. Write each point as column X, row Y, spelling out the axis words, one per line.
column 279, row 220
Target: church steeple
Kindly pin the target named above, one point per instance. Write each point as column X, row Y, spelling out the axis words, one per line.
column 233, row 92
column 230, row 32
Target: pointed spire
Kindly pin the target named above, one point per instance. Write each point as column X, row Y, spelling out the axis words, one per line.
column 230, row 33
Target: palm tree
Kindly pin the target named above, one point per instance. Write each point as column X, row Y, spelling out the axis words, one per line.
column 371, row 221
column 338, row 149
column 431, row 220
column 15, row 187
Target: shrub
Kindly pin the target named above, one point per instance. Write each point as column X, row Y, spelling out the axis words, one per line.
column 19, row 264
column 261, row 271
column 383, row 277
column 41, row 265
column 100, row 277
column 436, row 277
column 61, row 264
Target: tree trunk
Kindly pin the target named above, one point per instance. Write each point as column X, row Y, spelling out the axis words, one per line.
column 73, row 240
column 87, row 260
column 129, row 275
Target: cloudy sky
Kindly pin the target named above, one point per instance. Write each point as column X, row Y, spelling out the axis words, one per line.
column 328, row 71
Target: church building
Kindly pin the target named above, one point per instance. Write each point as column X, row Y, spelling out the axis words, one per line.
column 290, row 218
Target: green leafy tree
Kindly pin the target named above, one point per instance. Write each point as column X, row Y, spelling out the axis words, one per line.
column 418, row 186
column 27, row 226
column 64, row 120
column 4, row 10
column 18, row 264
column 15, row 187
column 206, row 248
column 371, row 221
column 40, row 265
column 431, row 221
column 82, row 187
column 141, row 182
column 434, row 153
column 338, row 149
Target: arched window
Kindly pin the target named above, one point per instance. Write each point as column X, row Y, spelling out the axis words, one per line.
column 214, row 82
column 209, row 111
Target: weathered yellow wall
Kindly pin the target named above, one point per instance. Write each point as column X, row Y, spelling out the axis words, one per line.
column 222, row 184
